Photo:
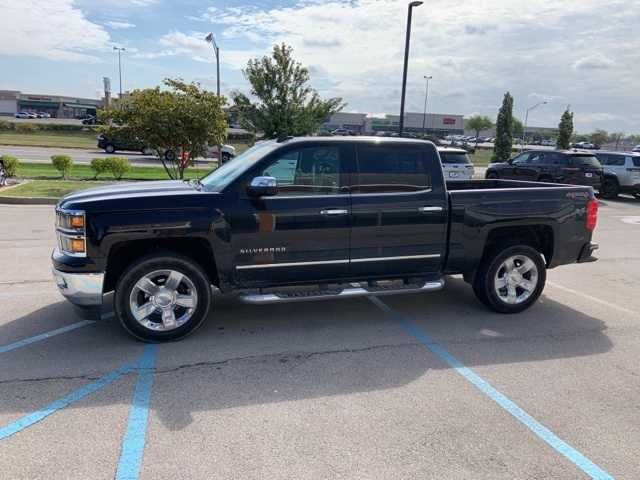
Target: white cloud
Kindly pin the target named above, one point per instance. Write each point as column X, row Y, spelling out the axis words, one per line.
column 475, row 50
column 52, row 29
column 119, row 25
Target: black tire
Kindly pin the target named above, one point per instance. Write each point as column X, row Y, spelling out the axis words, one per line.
column 610, row 188
column 153, row 263
column 170, row 156
column 225, row 157
column 491, row 175
column 484, row 283
column 109, row 148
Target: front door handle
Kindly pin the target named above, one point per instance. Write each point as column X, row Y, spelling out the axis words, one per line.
column 334, row 211
column 429, row 209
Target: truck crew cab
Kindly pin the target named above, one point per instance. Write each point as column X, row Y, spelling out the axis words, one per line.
column 309, row 219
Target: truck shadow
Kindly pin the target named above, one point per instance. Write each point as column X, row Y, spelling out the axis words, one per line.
column 254, row 355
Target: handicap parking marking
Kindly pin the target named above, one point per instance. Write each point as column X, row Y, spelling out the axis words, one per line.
column 43, row 336
column 135, row 437
column 542, row 432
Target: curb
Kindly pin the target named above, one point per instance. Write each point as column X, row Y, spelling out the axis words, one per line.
column 28, row 200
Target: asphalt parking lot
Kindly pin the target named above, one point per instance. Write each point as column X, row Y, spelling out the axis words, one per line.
column 429, row 386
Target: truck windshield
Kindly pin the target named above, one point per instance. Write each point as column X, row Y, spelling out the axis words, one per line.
column 227, row 173
column 455, row 157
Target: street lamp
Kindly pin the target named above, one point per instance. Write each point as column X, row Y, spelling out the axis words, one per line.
column 526, row 117
column 212, row 40
column 120, row 50
column 406, row 62
column 426, row 96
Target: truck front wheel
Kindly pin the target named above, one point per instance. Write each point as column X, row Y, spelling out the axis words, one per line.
column 162, row 297
column 510, row 279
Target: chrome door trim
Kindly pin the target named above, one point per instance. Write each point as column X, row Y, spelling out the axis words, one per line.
column 385, row 259
column 291, row 264
column 429, row 209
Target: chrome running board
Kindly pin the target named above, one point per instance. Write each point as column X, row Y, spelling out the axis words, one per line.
column 356, row 290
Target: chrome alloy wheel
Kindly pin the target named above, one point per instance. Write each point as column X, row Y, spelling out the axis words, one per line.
column 163, row 300
column 516, row 279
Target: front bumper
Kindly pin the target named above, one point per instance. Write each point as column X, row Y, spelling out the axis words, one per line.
column 82, row 289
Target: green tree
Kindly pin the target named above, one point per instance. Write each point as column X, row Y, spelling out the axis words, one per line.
column 285, row 102
column 504, row 130
column 178, row 122
column 599, row 137
column 478, row 123
column 565, row 128
column 616, row 138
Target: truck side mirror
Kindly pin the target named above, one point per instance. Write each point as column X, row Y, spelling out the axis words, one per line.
column 263, row 187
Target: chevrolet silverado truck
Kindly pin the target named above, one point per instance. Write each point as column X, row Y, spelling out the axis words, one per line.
column 308, row 219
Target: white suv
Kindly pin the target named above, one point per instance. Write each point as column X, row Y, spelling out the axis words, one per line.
column 456, row 163
column 621, row 173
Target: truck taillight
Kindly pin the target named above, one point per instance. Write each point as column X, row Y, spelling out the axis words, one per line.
column 592, row 214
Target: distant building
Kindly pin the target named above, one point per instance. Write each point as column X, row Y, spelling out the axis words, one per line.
column 534, row 133
column 13, row 101
column 432, row 124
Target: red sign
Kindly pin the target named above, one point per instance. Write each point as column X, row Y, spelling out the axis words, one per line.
column 448, row 121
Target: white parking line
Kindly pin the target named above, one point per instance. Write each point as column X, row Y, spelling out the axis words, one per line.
column 593, row 299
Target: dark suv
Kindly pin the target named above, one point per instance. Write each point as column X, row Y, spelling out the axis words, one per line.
column 556, row 166
column 110, row 145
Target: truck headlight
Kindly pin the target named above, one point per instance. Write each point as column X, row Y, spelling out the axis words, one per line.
column 71, row 232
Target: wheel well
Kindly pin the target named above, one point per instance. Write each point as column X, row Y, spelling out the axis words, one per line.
column 124, row 253
column 539, row 237
column 611, row 176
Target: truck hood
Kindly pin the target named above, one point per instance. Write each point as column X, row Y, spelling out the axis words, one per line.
column 132, row 196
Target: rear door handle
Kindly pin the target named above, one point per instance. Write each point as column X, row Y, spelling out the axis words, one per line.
column 334, row 211
column 429, row 209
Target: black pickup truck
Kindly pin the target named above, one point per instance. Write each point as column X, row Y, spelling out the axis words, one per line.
column 309, row 219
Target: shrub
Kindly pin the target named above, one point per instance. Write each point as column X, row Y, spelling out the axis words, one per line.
column 62, row 163
column 10, row 164
column 100, row 166
column 26, row 128
column 5, row 126
column 118, row 166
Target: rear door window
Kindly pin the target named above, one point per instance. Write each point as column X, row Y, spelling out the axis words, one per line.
column 391, row 168
column 585, row 161
column 455, row 158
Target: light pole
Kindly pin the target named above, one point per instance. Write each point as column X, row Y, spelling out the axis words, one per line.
column 210, row 38
column 426, row 96
column 406, row 62
column 120, row 50
column 526, row 117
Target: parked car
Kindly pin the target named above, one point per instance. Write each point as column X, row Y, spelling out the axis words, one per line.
column 547, row 142
column 309, row 219
column 456, row 163
column 90, row 120
column 555, row 166
column 636, row 148
column 341, row 132
column 22, row 115
column 111, row 145
column 621, row 173
column 228, row 152
column 586, row 146
column 43, row 115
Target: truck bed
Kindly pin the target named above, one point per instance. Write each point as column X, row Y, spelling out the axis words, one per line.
column 494, row 184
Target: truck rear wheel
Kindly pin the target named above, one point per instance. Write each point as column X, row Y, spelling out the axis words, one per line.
column 162, row 297
column 511, row 279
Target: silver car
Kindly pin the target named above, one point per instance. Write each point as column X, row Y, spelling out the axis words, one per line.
column 456, row 163
column 621, row 173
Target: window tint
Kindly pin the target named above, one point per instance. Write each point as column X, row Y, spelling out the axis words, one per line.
column 612, row 160
column 585, row 161
column 391, row 168
column 536, row 158
column 454, row 157
column 307, row 171
column 636, row 161
column 555, row 158
column 522, row 159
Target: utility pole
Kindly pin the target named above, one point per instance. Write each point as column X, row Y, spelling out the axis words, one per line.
column 120, row 50
column 210, row 38
column 424, row 114
column 406, row 63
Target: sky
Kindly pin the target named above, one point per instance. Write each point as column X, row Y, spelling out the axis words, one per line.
column 582, row 53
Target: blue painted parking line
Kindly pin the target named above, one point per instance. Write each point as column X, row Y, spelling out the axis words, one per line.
column 570, row 453
column 63, row 402
column 135, row 437
column 44, row 336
